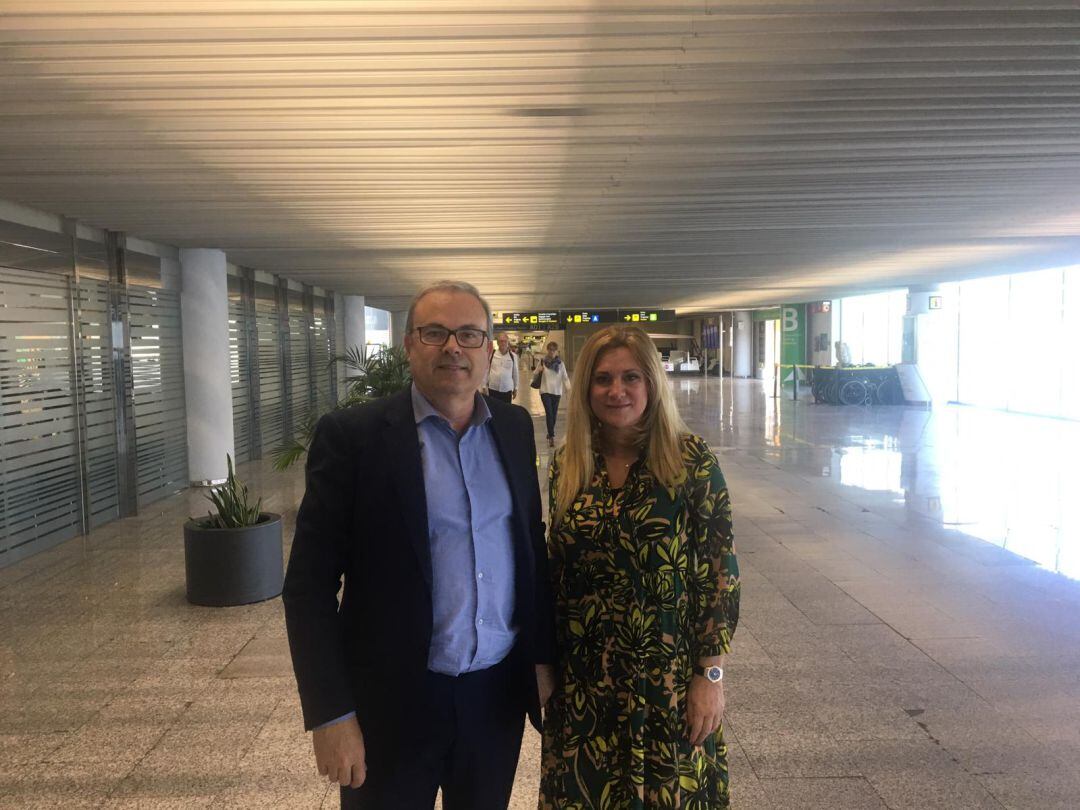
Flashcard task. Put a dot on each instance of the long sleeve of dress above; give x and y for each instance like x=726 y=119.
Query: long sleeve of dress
x=716 y=577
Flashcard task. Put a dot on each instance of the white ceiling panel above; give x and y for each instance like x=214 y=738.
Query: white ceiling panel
x=697 y=155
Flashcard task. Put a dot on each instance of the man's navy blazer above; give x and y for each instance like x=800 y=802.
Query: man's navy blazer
x=363 y=520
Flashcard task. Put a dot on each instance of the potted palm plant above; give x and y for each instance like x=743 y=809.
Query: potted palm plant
x=233 y=556
x=373 y=375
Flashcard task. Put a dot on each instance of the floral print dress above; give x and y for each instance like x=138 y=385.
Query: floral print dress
x=646 y=583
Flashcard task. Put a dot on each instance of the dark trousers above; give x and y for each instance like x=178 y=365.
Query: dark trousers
x=468 y=744
x=551 y=411
x=505 y=396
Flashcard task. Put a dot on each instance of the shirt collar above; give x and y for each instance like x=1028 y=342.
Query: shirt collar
x=423 y=409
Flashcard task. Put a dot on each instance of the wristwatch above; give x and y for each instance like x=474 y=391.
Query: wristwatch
x=714 y=674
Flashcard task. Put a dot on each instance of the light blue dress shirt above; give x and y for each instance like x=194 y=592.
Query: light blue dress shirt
x=470 y=530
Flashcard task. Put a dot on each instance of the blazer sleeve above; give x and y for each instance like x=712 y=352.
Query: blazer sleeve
x=544 y=649
x=317 y=563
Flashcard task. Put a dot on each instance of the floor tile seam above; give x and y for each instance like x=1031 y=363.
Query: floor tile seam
x=94 y=715
x=757 y=641
x=1005 y=718
x=907 y=806
x=40 y=684
x=53 y=556
x=850 y=660
x=135 y=766
x=986 y=784
x=955 y=755
x=42 y=576
x=251 y=743
x=929 y=657
x=745 y=754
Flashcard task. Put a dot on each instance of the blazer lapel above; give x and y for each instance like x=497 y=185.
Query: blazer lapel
x=402 y=450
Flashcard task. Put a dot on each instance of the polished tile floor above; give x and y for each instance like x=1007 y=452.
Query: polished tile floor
x=909 y=634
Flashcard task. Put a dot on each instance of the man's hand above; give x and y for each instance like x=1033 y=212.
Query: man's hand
x=545 y=683
x=339 y=753
x=704 y=708
x=513 y=394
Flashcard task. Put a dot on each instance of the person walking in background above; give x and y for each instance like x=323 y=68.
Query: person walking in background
x=554 y=382
x=527 y=358
x=646 y=593
x=502 y=380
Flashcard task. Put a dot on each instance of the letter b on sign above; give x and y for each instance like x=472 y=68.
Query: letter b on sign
x=791 y=319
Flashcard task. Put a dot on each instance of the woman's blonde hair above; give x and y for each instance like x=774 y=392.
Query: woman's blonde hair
x=659 y=430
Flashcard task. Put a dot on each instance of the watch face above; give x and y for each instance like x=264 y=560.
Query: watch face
x=714 y=674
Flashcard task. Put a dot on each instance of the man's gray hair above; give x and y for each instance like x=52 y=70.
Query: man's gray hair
x=449 y=287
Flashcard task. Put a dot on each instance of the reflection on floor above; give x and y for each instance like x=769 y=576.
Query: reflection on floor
x=894 y=651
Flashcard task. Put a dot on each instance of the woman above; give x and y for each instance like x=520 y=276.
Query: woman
x=554 y=382
x=647 y=593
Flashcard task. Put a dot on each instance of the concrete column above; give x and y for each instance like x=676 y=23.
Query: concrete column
x=397 y=327
x=354 y=325
x=743 y=361
x=821 y=337
x=924 y=346
x=726 y=327
x=204 y=307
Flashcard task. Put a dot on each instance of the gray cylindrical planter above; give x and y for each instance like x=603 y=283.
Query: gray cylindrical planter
x=233 y=566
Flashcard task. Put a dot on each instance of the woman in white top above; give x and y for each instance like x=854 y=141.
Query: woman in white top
x=554 y=382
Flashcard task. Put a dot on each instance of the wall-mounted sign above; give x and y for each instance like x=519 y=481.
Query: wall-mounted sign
x=579 y=316
x=937 y=302
x=646 y=315
x=793 y=331
x=516 y=320
x=821 y=307
x=559 y=319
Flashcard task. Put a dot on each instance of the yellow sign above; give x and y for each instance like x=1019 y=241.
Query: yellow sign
x=646 y=315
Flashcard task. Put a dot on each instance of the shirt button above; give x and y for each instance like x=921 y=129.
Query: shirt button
x=480 y=575
x=479 y=621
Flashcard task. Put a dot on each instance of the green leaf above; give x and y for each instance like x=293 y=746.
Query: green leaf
x=368 y=376
x=231 y=500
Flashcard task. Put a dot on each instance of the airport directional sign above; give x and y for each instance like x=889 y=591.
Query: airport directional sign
x=517 y=320
x=579 y=316
x=646 y=315
x=557 y=319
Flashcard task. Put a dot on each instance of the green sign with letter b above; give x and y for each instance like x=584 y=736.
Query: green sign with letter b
x=793 y=332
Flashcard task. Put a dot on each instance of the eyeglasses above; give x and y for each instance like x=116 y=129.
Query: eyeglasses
x=466 y=337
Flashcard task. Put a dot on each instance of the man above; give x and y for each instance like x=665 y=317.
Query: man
x=502 y=380
x=427 y=504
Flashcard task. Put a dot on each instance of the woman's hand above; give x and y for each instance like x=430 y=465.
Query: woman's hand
x=704 y=708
